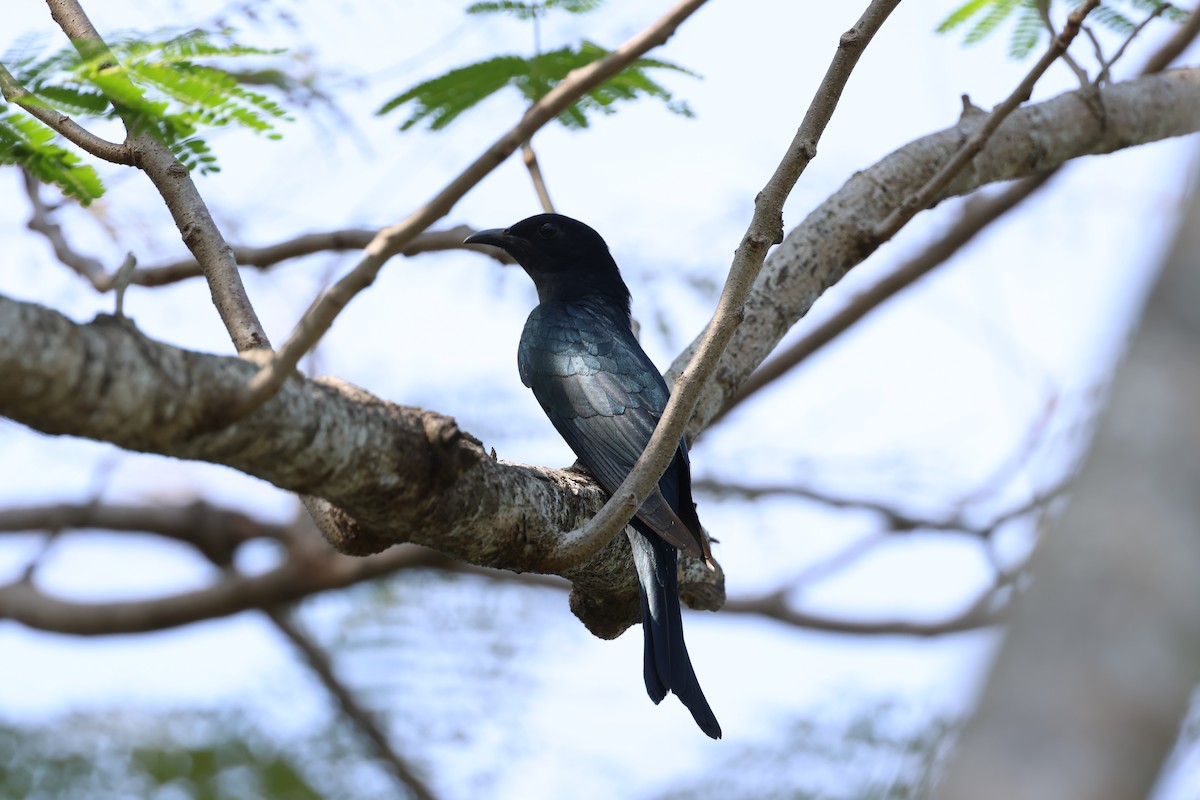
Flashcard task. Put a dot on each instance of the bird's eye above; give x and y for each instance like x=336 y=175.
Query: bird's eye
x=548 y=231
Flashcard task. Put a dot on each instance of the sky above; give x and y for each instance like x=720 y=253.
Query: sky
x=920 y=405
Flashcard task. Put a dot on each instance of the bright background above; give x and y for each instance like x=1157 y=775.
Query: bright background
x=495 y=689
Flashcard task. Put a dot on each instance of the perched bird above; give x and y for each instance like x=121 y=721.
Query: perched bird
x=604 y=395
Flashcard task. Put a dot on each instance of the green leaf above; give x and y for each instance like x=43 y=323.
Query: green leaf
x=962 y=14
x=998 y=11
x=156 y=85
x=574 y=6
x=522 y=11
x=26 y=143
x=441 y=100
x=1113 y=20
x=528 y=11
x=1029 y=29
x=1027 y=33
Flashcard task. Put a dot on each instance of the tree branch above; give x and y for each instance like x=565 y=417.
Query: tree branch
x=975 y=218
x=187 y=207
x=318 y=242
x=535 y=174
x=775 y=606
x=310 y=568
x=215 y=532
x=896 y=519
x=937 y=183
x=395 y=473
x=62 y=124
x=837 y=235
x=264 y=257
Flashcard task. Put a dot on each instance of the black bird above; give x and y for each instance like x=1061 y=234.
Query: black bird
x=604 y=395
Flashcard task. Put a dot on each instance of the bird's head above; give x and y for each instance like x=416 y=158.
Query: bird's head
x=566 y=259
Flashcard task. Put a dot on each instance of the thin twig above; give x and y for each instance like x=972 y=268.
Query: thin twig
x=535 y=174
x=391 y=240
x=1105 y=70
x=358 y=715
x=1080 y=72
x=306 y=244
x=260 y=257
x=775 y=606
x=922 y=198
x=766 y=229
x=1174 y=47
x=294 y=579
x=41 y=221
x=897 y=520
x=69 y=129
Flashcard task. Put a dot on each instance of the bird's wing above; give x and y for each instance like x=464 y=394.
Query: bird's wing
x=604 y=396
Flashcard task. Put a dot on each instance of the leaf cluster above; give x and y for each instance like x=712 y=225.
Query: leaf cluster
x=171 y=88
x=530 y=11
x=987 y=16
x=439 y=101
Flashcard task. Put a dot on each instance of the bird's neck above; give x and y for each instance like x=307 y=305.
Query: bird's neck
x=607 y=290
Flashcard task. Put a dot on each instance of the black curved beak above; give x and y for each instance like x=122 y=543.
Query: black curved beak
x=497 y=237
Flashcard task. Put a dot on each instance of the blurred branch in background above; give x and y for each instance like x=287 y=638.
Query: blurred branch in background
x=359 y=716
x=308 y=567
x=1090 y=687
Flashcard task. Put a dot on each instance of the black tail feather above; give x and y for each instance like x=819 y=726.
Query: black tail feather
x=667 y=668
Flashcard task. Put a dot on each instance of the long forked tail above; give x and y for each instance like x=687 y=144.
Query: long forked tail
x=667 y=667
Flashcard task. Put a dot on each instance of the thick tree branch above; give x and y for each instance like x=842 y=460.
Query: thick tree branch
x=400 y=473
x=766 y=229
x=393 y=239
x=837 y=235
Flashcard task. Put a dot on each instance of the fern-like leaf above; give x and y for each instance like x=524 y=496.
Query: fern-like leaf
x=1113 y=20
x=1027 y=33
x=961 y=14
x=441 y=100
x=989 y=15
x=26 y=143
x=155 y=85
x=528 y=11
x=522 y=11
x=993 y=16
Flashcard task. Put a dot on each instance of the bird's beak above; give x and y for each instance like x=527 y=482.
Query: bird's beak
x=497 y=237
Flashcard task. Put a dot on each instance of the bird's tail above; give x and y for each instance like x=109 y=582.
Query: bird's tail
x=667 y=665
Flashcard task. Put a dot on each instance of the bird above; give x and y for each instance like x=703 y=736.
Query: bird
x=604 y=395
